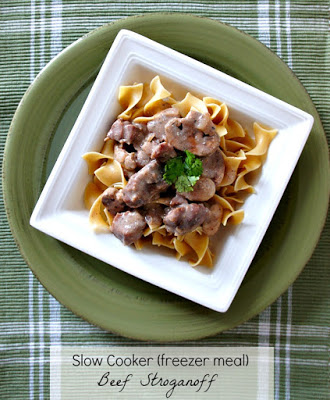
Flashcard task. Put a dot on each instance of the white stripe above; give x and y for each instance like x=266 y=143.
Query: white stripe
x=42 y=34
x=32 y=41
x=263 y=22
x=31 y=277
x=264 y=327
x=278 y=29
x=288 y=33
x=56 y=28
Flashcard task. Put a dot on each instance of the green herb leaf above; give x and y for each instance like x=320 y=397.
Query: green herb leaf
x=185 y=173
x=183 y=184
x=193 y=165
x=173 y=169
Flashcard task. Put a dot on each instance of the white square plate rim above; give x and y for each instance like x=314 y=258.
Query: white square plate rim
x=48 y=214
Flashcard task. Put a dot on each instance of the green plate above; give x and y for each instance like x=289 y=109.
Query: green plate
x=104 y=295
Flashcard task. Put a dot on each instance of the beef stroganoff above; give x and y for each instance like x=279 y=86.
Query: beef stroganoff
x=171 y=172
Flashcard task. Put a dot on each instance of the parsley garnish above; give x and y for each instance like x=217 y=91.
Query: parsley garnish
x=184 y=174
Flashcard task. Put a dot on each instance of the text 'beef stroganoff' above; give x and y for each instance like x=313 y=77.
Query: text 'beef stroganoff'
x=171 y=172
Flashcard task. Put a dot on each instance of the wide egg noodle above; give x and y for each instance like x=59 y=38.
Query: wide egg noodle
x=263 y=137
x=220 y=130
x=146 y=96
x=225 y=203
x=181 y=247
x=207 y=260
x=99 y=184
x=219 y=111
x=160 y=100
x=150 y=229
x=229 y=213
x=191 y=102
x=247 y=141
x=252 y=163
x=97 y=218
x=235 y=129
x=92 y=192
x=199 y=243
x=229 y=194
x=108 y=216
x=223 y=144
x=94 y=160
x=213 y=106
x=241 y=184
x=255 y=157
x=233 y=146
x=233 y=218
x=138 y=110
x=108 y=147
x=141 y=243
x=160 y=240
x=111 y=174
x=231 y=167
x=128 y=98
x=142 y=119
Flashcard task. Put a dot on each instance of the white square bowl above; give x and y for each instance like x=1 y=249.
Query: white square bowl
x=60 y=210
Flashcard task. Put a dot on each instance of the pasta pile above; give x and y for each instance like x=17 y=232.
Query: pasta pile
x=242 y=155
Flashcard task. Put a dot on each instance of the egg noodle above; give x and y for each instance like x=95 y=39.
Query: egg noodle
x=242 y=155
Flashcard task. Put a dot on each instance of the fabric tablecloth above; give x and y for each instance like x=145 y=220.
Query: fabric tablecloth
x=296 y=325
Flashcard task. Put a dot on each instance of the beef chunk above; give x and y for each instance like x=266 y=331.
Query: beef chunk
x=178 y=200
x=145 y=185
x=113 y=201
x=139 y=139
x=160 y=151
x=154 y=214
x=214 y=167
x=128 y=226
x=212 y=221
x=157 y=125
x=163 y=152
x=142 y=159
x=195 y=133
x=185 y=218
x=126 y=159
x=124 y=132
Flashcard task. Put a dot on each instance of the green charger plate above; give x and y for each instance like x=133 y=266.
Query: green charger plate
x=108 y=297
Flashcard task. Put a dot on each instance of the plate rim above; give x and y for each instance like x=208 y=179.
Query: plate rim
x=11 y=132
